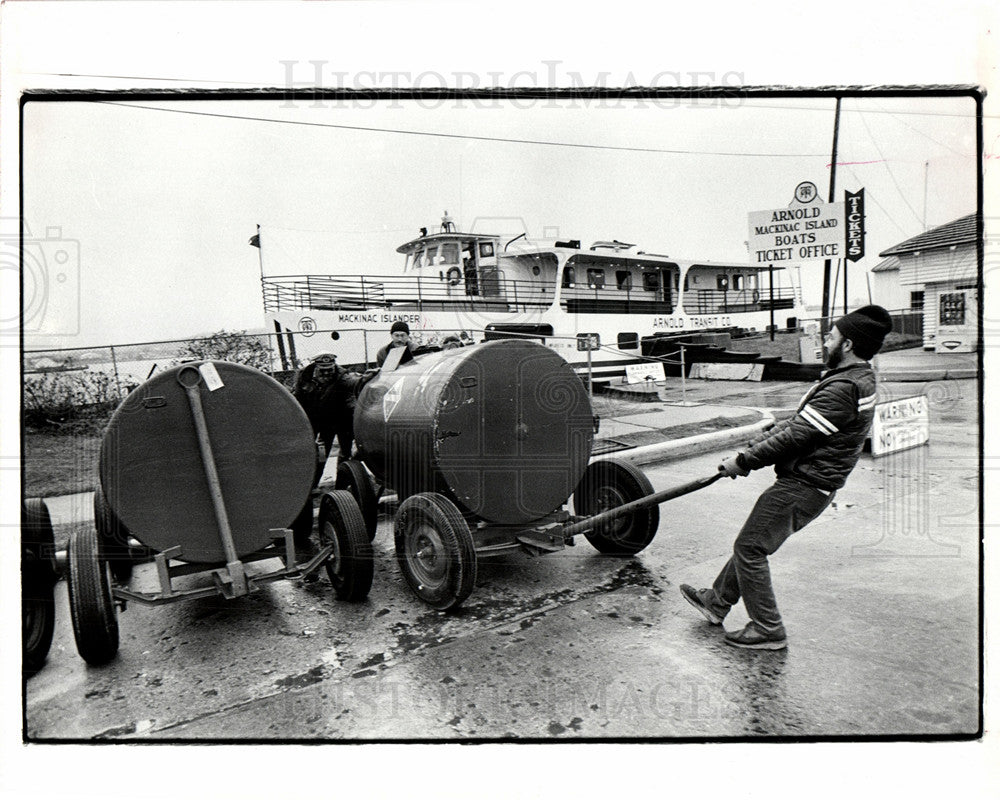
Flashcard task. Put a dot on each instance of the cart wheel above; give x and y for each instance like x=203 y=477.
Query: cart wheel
x=351 y=568
x=609 y=484
x=38 y=579
x=435 y=550
x=352 y=476
x=113 y=537
x=95 y=615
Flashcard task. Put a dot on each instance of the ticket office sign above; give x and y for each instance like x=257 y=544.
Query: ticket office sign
x=802 y=233
x=900 y=425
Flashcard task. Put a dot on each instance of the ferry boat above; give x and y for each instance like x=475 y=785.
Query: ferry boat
x=601 y=306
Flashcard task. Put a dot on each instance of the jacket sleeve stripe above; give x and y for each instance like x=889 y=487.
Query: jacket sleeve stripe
x=867 y=402
x=818 y=421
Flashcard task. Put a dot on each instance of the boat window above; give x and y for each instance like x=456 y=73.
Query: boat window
x=722 y=282
x=431 y=256
x=486 y=249
x=569 y=278
x=624 y=279
x=449 y=253
x=418 y=259
x=738 y=283
x=650 y=281
x=595 y=278
x=628 y=341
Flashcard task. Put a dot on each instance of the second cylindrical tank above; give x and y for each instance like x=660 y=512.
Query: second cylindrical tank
x=504 y=428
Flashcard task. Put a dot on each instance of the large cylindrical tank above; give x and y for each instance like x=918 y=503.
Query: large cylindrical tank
x=154 y=478
x=503 y=428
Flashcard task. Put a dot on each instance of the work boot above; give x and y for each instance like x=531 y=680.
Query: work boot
x=752 y=637
x=702 y=600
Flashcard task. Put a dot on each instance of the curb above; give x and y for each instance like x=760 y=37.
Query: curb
x=691 y=445
x=926 y=376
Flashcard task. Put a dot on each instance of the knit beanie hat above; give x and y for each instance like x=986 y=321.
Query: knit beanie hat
x=399 y=325
x=866 y=328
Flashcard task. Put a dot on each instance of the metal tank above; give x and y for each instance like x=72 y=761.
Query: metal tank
x=153 y=469
x=502 y=428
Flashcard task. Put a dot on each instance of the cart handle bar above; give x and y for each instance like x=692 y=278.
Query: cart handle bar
x=643 y=502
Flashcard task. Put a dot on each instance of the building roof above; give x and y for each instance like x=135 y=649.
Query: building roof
x=891 y=264
x=961 y=231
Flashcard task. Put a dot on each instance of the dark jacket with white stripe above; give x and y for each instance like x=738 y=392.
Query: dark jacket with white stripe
x=821 y=444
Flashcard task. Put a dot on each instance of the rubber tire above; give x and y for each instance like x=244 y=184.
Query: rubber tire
x=352 y=476
x=608 y=484
x=94 y=613
x=458 y=565
x=38 y=580
x=113 y=537
x=352 y=568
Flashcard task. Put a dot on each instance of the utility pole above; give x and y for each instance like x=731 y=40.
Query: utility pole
x=824 y=322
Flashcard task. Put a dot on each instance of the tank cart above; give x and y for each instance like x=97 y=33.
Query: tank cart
x=206 y=470
x=39 y=574
x=484 y=446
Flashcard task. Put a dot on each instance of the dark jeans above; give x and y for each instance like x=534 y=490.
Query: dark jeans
x=345 y=441
x=786 y=507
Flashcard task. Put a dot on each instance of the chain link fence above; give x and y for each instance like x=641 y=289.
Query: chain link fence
x=60 y=384
x=72 y=383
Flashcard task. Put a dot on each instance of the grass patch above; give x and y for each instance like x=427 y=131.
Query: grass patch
x=64 y=461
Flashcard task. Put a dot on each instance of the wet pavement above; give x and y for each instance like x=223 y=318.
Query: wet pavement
x=880 y=599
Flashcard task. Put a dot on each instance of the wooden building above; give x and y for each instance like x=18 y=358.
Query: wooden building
x=940 y=269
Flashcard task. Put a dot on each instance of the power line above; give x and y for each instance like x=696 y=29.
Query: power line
x=892 y=177
x=927 y=136
x=372 y=129
x=870 y=196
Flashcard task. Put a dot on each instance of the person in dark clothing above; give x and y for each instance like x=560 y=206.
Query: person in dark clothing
x=327 y=393
x=400 y=333
x=813 y=452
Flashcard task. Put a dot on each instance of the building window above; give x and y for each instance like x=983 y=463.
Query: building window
x=952 y=309
x=916 y=300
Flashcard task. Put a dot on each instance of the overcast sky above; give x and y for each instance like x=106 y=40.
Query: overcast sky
x=161 y=197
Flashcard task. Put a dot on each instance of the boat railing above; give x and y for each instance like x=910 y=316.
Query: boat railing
x=336 y=292
x=627 y=300
x=715 y=301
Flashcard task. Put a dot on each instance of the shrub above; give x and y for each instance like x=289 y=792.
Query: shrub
x=239 y=347
x=54 y=398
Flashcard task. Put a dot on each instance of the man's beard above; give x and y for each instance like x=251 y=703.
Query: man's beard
x=835 y=356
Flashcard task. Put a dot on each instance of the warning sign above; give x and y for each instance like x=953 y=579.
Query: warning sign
x=900 y=424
